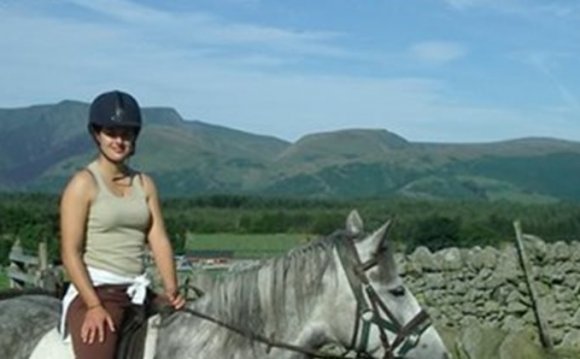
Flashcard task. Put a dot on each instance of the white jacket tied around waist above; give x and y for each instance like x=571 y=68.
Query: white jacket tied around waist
x=137 y=290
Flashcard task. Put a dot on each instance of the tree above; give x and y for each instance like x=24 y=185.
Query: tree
x=436 y=232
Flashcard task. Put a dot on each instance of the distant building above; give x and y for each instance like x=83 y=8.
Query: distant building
x=209 y=257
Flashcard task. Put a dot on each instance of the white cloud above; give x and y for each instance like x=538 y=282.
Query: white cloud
x=123 y=10
x=198 y=28
x=437 y=52
x=131 y=43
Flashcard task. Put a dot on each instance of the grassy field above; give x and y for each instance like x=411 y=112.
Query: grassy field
x=246 y=245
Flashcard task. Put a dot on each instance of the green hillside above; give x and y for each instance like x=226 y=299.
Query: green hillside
x=43 y=145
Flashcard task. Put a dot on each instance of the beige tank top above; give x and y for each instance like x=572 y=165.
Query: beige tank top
x=117 y=228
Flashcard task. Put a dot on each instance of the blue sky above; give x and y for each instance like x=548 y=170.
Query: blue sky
x=428 y=70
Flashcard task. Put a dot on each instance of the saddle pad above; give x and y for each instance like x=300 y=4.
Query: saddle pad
x=51 y=346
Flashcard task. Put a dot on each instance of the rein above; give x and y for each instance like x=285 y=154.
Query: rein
x=270 y=343
x=367 y=311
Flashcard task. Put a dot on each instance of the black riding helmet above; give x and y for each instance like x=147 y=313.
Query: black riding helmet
x=115 y=109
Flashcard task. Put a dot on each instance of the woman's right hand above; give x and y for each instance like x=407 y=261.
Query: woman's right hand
x=96 y=320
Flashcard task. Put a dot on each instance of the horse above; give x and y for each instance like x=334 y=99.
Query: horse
x=342 y=289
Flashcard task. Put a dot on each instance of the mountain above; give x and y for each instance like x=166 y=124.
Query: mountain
x=43 y=145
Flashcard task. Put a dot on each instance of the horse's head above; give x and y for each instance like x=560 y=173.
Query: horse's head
x=385 y=321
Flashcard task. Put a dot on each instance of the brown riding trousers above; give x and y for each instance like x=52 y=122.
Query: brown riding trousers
x=116 y=301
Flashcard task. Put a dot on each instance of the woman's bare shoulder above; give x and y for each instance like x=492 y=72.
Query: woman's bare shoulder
x=147 y=183
x=81 y=185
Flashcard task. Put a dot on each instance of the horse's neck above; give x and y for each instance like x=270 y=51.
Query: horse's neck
x=273 y=303
x=269 y=301
x=282 y=300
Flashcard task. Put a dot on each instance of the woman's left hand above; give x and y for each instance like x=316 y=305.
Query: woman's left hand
x=175 y=299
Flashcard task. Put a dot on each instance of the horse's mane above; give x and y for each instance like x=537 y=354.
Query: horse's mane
x=257 y=298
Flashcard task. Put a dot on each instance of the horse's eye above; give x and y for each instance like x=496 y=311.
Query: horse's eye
x=398 y=291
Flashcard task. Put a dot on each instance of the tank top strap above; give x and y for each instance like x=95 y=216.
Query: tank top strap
x=94 y=170
x=137 y=183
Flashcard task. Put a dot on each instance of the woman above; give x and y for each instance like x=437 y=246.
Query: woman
x=109 y=212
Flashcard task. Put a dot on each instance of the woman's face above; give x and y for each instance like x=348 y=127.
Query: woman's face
x=117 y=142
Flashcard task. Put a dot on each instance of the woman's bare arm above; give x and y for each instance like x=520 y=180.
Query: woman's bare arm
x=160 y=244
x=74 y=207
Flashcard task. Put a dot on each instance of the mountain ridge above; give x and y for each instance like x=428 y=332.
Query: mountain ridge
x=45 y=144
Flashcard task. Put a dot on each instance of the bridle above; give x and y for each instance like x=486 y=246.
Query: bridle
x=369 y=307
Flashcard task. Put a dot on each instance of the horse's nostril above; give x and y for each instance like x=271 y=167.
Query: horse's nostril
x=446 y=356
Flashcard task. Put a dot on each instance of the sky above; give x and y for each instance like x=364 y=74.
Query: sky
x=427 y=70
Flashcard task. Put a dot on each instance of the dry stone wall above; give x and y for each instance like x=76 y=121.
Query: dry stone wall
x=487 y=286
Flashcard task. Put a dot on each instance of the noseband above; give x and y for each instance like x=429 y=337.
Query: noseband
x=369 y=307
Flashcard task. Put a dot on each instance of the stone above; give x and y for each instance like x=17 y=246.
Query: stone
x=571 y=280
x=518 y=345
x=492 y=306
x=434 y=280
x=563 y=294
x=460 y=289
x=577 y=289
x=547 y=306
x=576 y=319
x=508 y=266
x=468 y=320
x=558 y=251
x=469 y=309
x=567 y=307
x=501 y=293
x=512 y=324
x=476 y=341
x=472 y=295
x=515 y=297
x=516 y=308
x=481 y=281
x=489 y=257
x=472 y=259
x=451 y=259
x=557 y=335
x=423 y=257
x=571 y=340
x=542 y=289
x=529 y=318
x=448 y=333
x=558 y=320
x=412 y=268
x=535 y=248
x=557 y=277
x=523 y=287
x=575 y=251
x=566 y=267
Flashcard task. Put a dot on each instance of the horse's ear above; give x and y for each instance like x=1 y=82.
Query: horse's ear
x=379 y=238
x=354 y=224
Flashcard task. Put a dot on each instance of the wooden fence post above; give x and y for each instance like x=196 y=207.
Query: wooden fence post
x=19 y=270
x=33 y=271
x=542 y=328
x=42 y=256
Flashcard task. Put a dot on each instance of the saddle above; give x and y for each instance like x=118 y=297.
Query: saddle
x=134 y=328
